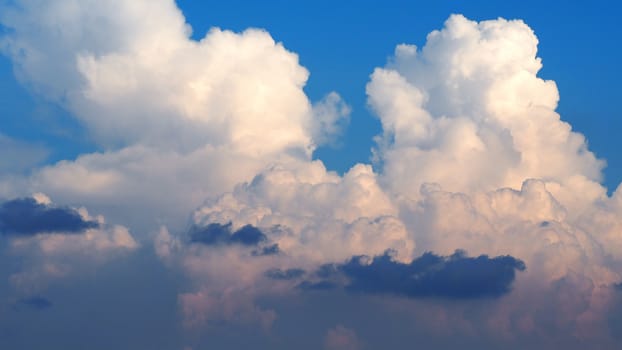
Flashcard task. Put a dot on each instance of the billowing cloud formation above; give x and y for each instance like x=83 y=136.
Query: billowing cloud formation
x=313 y=213
x=470 y=103
x=194 y=117
x=113 y=59
x=26 y=216
x=472 y=156
x=456 y=276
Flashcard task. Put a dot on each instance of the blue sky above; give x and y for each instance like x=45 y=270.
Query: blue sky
x=160 y=189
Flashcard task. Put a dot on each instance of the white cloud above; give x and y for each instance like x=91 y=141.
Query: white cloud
x=477 y=158
x=320 y=216
x=173 y=114
x=473 y=156
x=469 y=112
x=143 y=187
x=133 y=75
x=314 y=216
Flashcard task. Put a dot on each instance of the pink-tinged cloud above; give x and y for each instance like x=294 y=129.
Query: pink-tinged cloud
x=207 y=153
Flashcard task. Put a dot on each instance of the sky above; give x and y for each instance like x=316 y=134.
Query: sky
x=314 y=175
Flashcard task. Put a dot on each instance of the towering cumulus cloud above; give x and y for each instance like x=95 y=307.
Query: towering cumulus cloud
x=470 y=103
x=192 y=117
x=482 y=221
x=476 y=158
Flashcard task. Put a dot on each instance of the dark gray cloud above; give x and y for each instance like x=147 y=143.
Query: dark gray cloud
x=219 y=234
x=456 y=277
x=289 y=274
x=27 y=217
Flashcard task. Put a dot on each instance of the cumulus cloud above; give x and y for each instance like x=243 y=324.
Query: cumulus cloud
x=470 y=102
x=215 y=110
x=472 y=156
x=313 y=213
x=476 y=157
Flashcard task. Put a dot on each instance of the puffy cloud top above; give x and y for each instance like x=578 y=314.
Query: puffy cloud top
x=470 y=103
x=161 y=105
x=131 y=72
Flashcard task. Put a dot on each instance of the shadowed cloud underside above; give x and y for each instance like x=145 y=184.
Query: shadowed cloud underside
x=26 y=217
x=455 y=277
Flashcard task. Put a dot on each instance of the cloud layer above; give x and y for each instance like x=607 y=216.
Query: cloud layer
x=206 y=156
